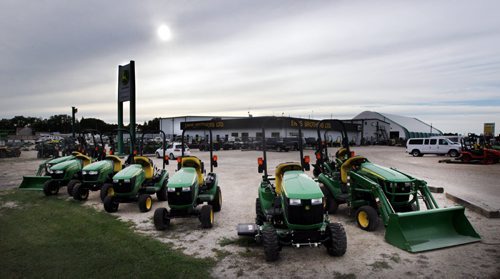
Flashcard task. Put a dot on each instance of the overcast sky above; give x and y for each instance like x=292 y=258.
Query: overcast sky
x=438 y=61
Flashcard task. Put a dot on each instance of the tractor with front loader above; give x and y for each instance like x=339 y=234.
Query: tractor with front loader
x=372 y=191
x=138 y=181
x=188 y=188
x=290 y=209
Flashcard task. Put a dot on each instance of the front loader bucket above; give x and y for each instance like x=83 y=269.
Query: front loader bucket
x=33 y=182
x=419 y=231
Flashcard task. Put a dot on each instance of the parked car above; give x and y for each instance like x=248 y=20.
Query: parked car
x=435 y=145
x=173 y=150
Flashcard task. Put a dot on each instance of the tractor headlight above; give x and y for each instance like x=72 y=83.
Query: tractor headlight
x=59 y=171
x=408 y=184
x=84 y=172
x=186 y=189
x=49 y=171
x=115 y=180
x=93 y=172
x=393 y=185
x=170 y=189
x=295 y=202
x=316 y=201
x=126 y=180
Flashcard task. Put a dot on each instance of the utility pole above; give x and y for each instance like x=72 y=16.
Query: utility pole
x=74 y=110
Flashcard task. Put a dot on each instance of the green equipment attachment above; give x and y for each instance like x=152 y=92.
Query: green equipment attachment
x=35 y=182
x=425 y=230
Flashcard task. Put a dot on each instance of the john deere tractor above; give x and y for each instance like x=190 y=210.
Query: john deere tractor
x=373 y=191
x=291 y=210
x=188 y=188
x=98 y=176
x=138 y=181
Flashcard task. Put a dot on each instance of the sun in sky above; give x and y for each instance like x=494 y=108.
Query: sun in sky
x=164 y=33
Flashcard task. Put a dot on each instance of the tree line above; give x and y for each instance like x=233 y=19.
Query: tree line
x=62 y=123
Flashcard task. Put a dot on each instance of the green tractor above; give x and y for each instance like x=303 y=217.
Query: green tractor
x=98 y=176
x=68 y=173
x=373 y=191
x=292 y=211
x=188 y=188
x=138 y=181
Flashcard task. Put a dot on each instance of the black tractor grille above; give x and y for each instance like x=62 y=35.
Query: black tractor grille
x=123 y=187
x=179 y=197
x=57 y=175
x=88 y=177
x=304 y=214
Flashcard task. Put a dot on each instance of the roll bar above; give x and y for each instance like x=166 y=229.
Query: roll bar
x=163 y=143
x=213 y=162
x=343 y=132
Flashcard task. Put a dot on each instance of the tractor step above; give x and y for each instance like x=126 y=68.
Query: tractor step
x=248 y=229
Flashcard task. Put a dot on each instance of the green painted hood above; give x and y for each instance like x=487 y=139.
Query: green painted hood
x=60 y=160
x=298 y=185
x=375 y=171
x=99 y=166
x=184 y=177
x=66 y=164
x=129 y=172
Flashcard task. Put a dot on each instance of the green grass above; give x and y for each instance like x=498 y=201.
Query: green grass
x=50 y=237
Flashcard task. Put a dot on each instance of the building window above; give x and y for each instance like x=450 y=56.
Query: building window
x=244 y=136
x=258 y=135
x=275 y=135
x=235 y=135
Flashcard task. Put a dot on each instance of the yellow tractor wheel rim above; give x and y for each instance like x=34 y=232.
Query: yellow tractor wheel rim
x=220 y=199
x=211 y=216
x=149 y=202
x=111 y=191
x=363 y=219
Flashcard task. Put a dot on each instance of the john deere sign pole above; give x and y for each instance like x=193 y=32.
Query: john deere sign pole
x=126 y=92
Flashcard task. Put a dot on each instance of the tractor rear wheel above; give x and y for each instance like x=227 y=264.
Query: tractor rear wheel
x=207 y=216
x=107 y=190
x=161 y=219
x=71 y=186
x=260 y=218
x=110 y=204
x=271 y=244
x=367 y=218
x=50 y=188
x=80 y=193
x=217 y=202
x=162 y=193
x=145 y=203
x=337 y=243
x=331 y=204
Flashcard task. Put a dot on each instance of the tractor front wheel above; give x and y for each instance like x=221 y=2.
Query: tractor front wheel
x=217 y=202
x=106 y=190
x=145 y=203
x=71 y=186
x=161 y=219
x=271 y=244
x=80 y=193
x=111 y=204
x=207 y=216
x=260 y=218
x=162 y=194
x=367 y=218
x=50 y=188
x=337 y=243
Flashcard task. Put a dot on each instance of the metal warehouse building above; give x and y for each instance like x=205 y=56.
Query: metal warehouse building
x=377 y=126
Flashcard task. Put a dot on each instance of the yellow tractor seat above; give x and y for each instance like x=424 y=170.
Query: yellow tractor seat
x=346 y=166
x=76 y=153
x=85 y=159
x=147 y=166
x=194 y=162
x=341 y=153
x=280 y=171
x=117 y=162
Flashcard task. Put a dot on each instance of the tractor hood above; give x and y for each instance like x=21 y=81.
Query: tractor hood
x=298 y=185
x=379 y=172
x=99 y=166
x=184 y=177
x=129 y=172
x=60 y=160
x=66 y=164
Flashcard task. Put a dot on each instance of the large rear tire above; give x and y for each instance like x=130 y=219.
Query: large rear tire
x=207 y=216
x=80 y=193
x=217 y=202
x=71 y=186
x=111 y=204
x=106 y=190
x=271 y=244
x=162 y=194
x=161 y=219
x=145 y=202
x=337 y=244
x=50 y=188
x=259 y=215
x=367 y=218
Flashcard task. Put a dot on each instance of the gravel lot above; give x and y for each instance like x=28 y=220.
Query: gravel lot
x=367 y=252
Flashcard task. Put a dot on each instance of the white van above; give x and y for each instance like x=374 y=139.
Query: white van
x=435 y=145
